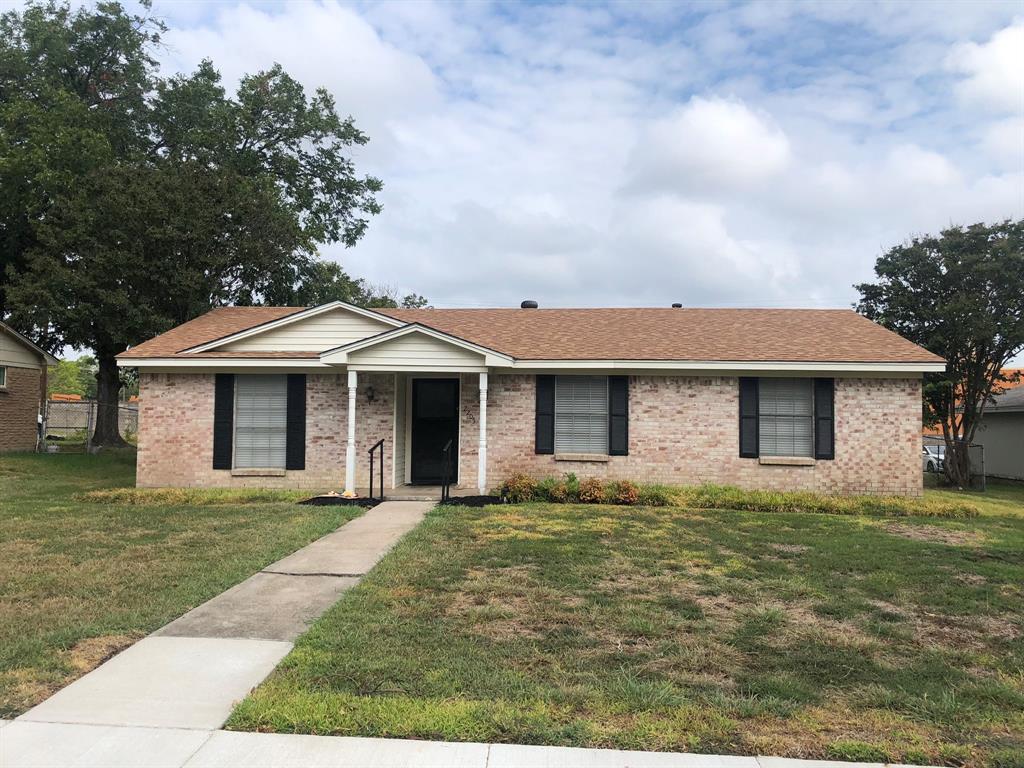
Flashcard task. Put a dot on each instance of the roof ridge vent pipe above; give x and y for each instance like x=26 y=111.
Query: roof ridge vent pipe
x=529 y=304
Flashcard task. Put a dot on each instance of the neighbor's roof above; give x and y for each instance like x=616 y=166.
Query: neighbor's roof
x=1010 y=400
x=796 y=335
x=48 y=359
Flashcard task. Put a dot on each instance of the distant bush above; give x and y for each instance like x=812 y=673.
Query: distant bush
x=729 y=497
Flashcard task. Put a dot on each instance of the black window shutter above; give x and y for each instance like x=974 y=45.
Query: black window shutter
x=295 y=430
x=824 y=419
x=749 y=432
x=223 y=419
x=618 y=415
x=545 y=415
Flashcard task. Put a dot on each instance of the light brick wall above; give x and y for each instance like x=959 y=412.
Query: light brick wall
x=176 y=432
x=19 y=409
x=682 y=430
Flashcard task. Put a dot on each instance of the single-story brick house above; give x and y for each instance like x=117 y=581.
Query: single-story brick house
x=292 y=397
x=22 y=389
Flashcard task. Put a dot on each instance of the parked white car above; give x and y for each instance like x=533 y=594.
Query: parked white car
x=932 y=457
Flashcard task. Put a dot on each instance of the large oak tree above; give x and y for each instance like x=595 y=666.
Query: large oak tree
x=131 y=202
x=961 y=296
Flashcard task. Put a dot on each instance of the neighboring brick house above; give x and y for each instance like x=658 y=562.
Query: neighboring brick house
x=22 y=389
x=820 y=400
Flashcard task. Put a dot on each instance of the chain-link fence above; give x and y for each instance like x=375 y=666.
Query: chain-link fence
x=69 y=425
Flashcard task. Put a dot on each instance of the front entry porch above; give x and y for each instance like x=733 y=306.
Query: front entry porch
x=416 y=414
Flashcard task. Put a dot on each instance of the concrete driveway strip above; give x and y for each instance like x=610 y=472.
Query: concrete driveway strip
x=48 y=745
x=173 y=682
x=227 y=749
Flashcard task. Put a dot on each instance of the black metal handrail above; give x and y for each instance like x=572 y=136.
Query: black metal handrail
x=446 y=471
x=379 y=444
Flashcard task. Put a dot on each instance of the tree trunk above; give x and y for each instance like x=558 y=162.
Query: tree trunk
x=958 y=463
x=108 y=384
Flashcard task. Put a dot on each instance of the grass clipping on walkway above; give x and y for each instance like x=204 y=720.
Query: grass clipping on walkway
x=681 y=629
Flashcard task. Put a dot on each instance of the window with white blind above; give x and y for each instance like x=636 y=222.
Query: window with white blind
x=786 y=417
x=581 y=414
x=261 y=419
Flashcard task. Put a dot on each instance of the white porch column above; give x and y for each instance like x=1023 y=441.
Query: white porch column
x=350 y=450
x=481 y=470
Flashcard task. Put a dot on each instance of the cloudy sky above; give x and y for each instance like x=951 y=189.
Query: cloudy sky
x=639 y=154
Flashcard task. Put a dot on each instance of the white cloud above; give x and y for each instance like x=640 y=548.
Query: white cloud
x=710 y=143
x=320 y=44
x=994 y=70
x=622 y=155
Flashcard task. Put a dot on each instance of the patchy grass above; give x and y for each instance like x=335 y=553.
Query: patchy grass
x=88 y=566
x=1002 y=498
x=786 y=633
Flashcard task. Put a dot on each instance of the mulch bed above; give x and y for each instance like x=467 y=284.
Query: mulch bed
x=473 y=501
x=340 y=501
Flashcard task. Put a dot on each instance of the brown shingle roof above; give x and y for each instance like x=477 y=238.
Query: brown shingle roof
x=797 y=335
x=742 y=335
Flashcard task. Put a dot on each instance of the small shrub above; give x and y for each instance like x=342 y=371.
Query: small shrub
x=518 y=488
x=558 y=493
x=624 y=492
x=591 y=491
x=654 y=496
x=572 y=487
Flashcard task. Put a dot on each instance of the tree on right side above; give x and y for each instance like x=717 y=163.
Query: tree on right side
x=961 y=296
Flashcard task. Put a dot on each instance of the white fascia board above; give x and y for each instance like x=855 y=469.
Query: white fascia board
x=371 y=368
x=340 y=354
x=289 y=319
x=728 y=365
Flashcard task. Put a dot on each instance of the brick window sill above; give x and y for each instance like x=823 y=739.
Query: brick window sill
x=591 y=457
x=257 y=472
x=788 y=461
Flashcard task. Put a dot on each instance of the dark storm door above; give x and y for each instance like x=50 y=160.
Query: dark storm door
x=435 y=421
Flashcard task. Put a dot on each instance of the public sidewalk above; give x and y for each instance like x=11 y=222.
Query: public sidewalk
x=48 y=745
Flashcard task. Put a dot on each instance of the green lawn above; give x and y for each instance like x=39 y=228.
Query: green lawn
x=81 y=578
x=805 y=635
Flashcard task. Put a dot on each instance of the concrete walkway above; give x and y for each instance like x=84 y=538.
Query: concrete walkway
x=190 y=674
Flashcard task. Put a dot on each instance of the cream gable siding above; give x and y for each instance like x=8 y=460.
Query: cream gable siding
x=15 y=354
x=315 y=334
x=415 y=352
